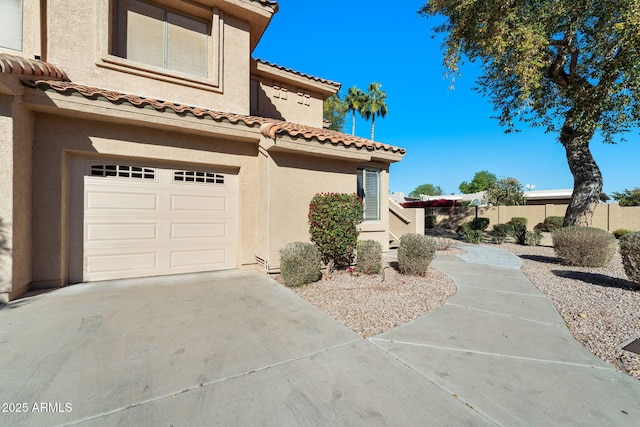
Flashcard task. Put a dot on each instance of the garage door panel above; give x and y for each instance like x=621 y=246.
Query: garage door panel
x=122 y=232
x=199 y=231
x=205 y=259
x=98 y=200
x=199 y=203
x=109 y=266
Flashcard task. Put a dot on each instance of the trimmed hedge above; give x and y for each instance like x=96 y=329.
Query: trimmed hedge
x=300 y=263
x=630 y=251
x=584 y=246
x=369 y=257
x=415 y=254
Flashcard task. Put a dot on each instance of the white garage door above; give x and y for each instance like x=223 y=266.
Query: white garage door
x=138 y=221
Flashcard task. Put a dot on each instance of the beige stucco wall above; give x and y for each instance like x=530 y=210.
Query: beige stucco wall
x=405 y=221
x=16 y=125
x=287 y=102
x=57 y=137
x=293 y=180
x=78 y=41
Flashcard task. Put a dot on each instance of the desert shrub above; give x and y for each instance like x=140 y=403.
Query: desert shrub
x=532 y=238
x=501 y=232
x=443 y=243
x=430 y=221
x=333 y=225
x=552 y=223
x=482 y=224
x=369 y=257
x=470 y=234
x=584 y=246
x=519 y=220
x=300 y=263
x=630 y=251
x=620 y=232
x=415 y=253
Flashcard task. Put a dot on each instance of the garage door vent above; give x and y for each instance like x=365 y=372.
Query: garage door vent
x=122 y=171
x=195 y=176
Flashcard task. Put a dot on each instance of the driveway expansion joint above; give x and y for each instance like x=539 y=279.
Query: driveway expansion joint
x=210 y=383
x=495 y=313
x=486 y=353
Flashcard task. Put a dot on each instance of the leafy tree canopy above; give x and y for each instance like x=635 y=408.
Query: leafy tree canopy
x=505 y=192
x=334 y=110
x=480 y=182
x=628 y=197
x=426 y=189
x=570 y=66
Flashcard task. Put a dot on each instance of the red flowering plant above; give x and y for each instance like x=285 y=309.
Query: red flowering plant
x=438 y=203
x=333 y=225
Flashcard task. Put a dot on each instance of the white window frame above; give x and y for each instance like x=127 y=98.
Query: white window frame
x=368 y=187
x=16 y=40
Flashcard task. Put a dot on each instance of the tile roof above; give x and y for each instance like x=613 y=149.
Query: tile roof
x=267 y=3
x=13 y=64
x=268 y=127
x=289 y=70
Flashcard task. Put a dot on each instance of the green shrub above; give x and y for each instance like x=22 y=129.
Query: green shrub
x=532 y=238
x=620 y=232
x=519 y=220
x=482 y=224
x=300 y=263
x=369 y=257
x=519 y=232
x=430 y=221
x=333 y=225
x=415 y=253
x=630 y=251
x=552 y=223
x=470 y=234
x=501 y=232
x=584 y=246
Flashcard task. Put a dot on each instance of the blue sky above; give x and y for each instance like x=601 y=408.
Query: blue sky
x=449 y=134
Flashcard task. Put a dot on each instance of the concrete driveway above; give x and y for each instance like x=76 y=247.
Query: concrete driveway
x=226 y=348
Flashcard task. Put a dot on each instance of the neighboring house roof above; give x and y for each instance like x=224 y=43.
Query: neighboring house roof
x=298 y=73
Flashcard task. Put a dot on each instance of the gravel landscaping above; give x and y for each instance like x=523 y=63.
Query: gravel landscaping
x=599 y=305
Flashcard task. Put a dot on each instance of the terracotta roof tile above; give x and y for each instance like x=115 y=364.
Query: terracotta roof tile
x=13 y=64
x=267 y=3
x=289 y=70
x=268 y=127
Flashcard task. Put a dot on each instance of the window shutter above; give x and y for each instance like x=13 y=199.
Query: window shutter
x=187 y=45
x=11 y=24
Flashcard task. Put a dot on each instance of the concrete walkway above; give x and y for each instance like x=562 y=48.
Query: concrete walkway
x=236 y=348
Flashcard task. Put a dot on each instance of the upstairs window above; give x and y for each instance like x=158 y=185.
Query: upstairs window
x=162 y=38
x=11 y=24
x=369 y=192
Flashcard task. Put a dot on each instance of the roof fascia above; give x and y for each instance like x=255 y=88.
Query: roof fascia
x=261 y=69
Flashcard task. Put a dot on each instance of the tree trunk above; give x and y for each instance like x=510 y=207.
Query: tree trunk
x=587 y=178
x=373 y=125
x=353 y=122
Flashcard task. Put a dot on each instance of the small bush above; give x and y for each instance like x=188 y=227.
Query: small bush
x=532 y=238
x=552 y=223
x=584 y=246
x=333 y=225
x=630 y=251
x=519 y=220
x=369 y=257
x=501 y=232
x=482 y=224
x=430 y=221
x=300 y=263
x=415 y=253
x=519 y=232
x=470 y=234
x=620 y=232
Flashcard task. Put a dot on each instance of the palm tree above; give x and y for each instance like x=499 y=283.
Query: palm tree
x=375 y=105
x=355 y=101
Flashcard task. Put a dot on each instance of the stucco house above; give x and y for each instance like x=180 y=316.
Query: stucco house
x=140 y=138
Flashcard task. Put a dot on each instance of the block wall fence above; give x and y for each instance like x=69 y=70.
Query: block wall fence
x=609 y=217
